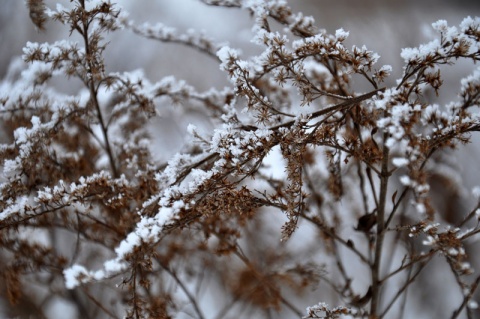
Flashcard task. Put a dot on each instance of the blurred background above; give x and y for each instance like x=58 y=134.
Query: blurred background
x=384 y=26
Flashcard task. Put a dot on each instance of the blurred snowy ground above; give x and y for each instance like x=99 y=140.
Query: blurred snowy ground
x=384 y=26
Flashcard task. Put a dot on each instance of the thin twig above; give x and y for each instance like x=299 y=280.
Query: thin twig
x=467 y=298
x=380 y=235
x=187 y=293
x=403 y=289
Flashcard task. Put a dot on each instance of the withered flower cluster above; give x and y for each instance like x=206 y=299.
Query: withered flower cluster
x=305 y=192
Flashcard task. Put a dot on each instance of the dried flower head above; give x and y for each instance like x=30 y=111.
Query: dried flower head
x=37 y=14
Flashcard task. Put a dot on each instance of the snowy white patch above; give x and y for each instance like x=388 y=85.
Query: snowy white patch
x=274 y=164
x=341 y=34
x=74 y=275
x=430 y=241
x=472 y=304
x=386 y=69
x=471 y=81
x=405 y=180
x=476 y=192
x=225 y=54
x=400 y=161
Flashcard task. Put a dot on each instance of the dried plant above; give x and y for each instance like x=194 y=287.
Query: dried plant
x=91 y=217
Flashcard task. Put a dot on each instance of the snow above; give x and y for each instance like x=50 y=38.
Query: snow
x=127 y=245
x=383 y=122
x=301 y=21
x=312 y=67
x=149 y=229
x=422 y=52
x=17 y=207
x=386 y=69
x=74 y=275
x=36 y=68
x=50 y=51
x=226 y=54
x=476 y=192
x=405 y=180
x=450 y=35
x=274 y=165
x=110 y=266
x=430 y=241
x=469 y=22
x=257 y=5
x=60 y=307
x=472 y=304
x=471 y=82
x=400 y=161
x=341 y=34
x=159 y=29
x=440 y=25
x=175 y=165
x=387 y=96
x=421 y=209
x=164 y=215
x=192 y=129
x=226 y=140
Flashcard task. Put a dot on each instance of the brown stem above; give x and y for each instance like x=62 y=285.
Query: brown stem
x=334 y=108
x=403 y=289
x=93 y=96
x=262 y=281
x=467 y=298
x=375 y=268
x=182 y=286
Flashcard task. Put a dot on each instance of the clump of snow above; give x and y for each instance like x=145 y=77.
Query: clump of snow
x=17 y=207
x=405 y=180
x=471 y=82
x=75 y=275
x=400 y=161
x=387 y=69
x=226 y=54
x=451 y=36
x=341 y=34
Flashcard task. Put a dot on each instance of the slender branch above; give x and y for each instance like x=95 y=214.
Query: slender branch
x=308 y=82
x=402 y=290
x=97 y=303
x=247 y=262
x=334 y=108
x=375 y=268
x=89 y=56
x=332 y=233
x=372 y=185
x=467 y=298
x=361 y=181
x=190 y=297
x=223 y=312
x=180 y=39
x=402 y=267
x=395 y=206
